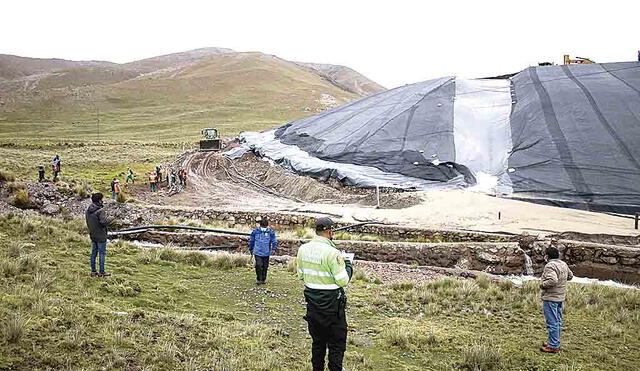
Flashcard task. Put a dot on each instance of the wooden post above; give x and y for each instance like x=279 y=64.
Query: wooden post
x=378 y=197
x=499 y=215
x=636 y=220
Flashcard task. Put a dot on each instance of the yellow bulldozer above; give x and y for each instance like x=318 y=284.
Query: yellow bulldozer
x=578 y=60
x=211 y=141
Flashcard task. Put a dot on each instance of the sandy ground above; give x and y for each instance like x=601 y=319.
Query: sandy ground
x=214 y=182
x=460 y=209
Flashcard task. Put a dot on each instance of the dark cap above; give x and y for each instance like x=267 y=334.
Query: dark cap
x=323 y=224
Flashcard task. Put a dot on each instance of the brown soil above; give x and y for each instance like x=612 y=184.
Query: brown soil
x=251 y=183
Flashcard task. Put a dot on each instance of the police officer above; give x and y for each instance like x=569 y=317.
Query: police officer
x=325 y=273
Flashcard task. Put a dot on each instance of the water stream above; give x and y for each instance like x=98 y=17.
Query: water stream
x=528 y=264
x=518 y=280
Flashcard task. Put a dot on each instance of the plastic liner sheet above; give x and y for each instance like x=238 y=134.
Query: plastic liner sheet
x=576 y=136
x=407 y=130
x=293 y=158
x=481 y=130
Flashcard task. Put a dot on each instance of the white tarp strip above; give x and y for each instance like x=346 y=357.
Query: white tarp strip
x=481 y=129
x=295 y=159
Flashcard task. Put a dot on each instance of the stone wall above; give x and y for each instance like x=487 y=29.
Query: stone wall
x=496 y=258
x=586 y=259
x=288 y=220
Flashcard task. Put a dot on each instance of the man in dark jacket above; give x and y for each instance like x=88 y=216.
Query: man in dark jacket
x=97 y=224
x=261 y=243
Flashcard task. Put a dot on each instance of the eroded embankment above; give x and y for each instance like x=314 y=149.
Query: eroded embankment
x=588 y=259
x=621 y=263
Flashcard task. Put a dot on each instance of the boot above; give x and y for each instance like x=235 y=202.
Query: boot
x=548 y=349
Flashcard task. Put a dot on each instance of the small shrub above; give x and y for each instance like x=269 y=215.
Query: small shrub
x=226 y=261
x=291 y=266
x=82 y=190
x=21 y=199
x=9 y=267
x=121 y=197
x=122 y=287
x=483 y=281
x=6 y=176
x=14 y=327
x=408 y=335
x=13 y=187
x=480 y=356
x=194 y=258
x=168 y=254
x=42 y=281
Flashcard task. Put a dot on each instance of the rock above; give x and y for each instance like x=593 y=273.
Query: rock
x=609 y=259
x=629 y=261
x=488 y=258
x=50 y=209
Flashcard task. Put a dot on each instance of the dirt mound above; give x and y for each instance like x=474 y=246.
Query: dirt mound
x=217 y=180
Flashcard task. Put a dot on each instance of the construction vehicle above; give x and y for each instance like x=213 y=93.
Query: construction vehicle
x=578 y=60
x=211 y=141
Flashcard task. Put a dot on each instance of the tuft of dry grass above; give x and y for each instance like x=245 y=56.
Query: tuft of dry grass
x=481 y=356
x=14 y=328
x=21 y=199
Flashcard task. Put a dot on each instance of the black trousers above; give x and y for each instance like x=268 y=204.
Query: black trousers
x=262 y=265
x=328 y=331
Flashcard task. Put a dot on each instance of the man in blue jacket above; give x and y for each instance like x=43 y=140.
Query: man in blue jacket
x=261 y=243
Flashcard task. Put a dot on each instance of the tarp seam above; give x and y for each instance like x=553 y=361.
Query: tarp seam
x=620 y=79
x=603 y=120
x=415 y=104
x=558 y=138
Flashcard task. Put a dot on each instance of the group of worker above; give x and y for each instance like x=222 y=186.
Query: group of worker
x=326 y=272
x=168 y=175
x=56 y=164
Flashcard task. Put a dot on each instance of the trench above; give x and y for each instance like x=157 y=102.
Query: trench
x=490 y=253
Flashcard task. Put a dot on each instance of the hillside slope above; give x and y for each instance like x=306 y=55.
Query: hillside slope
x=170 y=97
x=345 y=78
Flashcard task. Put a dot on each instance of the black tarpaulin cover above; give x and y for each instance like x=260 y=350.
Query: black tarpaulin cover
x=564 y=135
x=576 y=135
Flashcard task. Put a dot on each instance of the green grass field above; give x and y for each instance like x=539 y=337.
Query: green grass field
x=167 y=310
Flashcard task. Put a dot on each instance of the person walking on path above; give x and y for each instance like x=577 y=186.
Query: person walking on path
x=113 y=188
x=40 y=173
x=116 y=188
x=153 y=178
x=325 y=274
x=261 y=244
x=55 y=167
x=130 y=176
x=97 y=225
x=553 y=287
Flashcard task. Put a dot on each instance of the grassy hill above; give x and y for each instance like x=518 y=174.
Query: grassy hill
x=167 y=310
x=164 y=98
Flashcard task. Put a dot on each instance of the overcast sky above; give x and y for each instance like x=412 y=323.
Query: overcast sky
x=392 y=42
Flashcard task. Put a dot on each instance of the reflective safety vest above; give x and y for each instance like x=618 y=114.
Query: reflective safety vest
x=321 y=266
